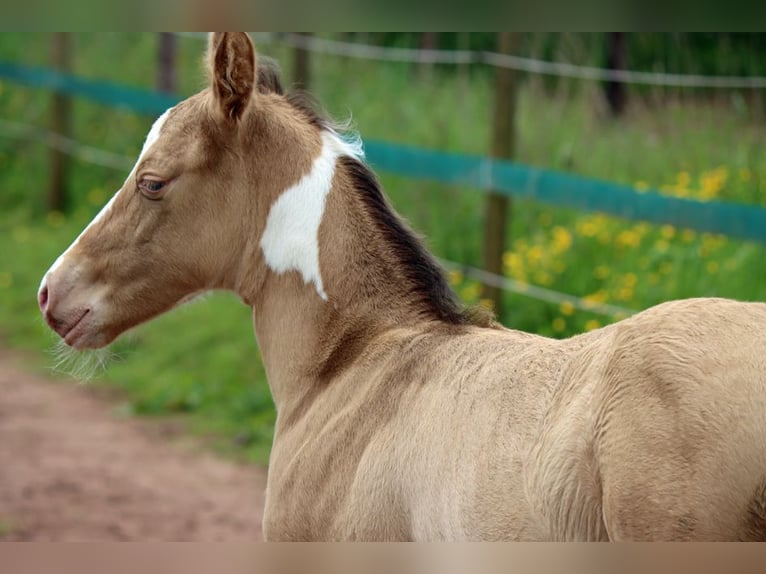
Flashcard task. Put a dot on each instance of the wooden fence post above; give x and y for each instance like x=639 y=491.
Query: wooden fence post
x=616 y=95
x=60 y=123
x=301 y=67
x=464 y=70
x=498 y=207
x=428 y=41
x=167 y=76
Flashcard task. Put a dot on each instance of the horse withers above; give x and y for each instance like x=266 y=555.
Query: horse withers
x=402 y=415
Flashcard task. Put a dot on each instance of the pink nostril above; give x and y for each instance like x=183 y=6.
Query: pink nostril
x=42 y=298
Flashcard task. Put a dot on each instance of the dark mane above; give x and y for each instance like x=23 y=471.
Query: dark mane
x=309 y=108
x=269 y=76
x=270 y=82
x=427 y=278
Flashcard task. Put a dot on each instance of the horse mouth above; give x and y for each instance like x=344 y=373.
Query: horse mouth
x=75 y=330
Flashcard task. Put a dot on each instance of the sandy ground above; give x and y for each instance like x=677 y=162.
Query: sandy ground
x=72 y=469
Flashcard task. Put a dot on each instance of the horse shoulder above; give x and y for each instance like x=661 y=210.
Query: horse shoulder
x=675 y=400
x=562 y=477
x=642 y=406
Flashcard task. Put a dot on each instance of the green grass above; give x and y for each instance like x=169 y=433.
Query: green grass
x=202 y=362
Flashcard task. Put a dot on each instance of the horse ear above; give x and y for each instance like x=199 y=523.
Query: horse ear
x=232 y=64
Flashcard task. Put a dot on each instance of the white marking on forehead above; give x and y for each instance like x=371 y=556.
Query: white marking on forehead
x=151 y=138
x=290 y=241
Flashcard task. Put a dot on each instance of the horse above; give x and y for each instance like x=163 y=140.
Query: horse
x=402 y=414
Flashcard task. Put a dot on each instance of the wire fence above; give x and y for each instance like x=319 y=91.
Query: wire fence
x=537 y=292
x=748 y=222
x=522 y=64
x=103 y=158
x=83 y=152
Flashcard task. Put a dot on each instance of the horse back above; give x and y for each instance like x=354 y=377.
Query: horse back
x=658 y=430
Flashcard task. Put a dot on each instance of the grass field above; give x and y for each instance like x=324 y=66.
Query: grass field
x=202 y=360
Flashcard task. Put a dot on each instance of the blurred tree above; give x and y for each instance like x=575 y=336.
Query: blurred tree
x=497 y=208
x=428 y=41
x=301 y=67
x=61 y=124
x=615 y=92
x=167 y=76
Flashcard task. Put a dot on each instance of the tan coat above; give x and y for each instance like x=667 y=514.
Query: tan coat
x=653 y=428
x=401 y=415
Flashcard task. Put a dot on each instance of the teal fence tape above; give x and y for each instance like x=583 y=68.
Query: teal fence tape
x=515 y=180
x=135 y=99
x=565 y=190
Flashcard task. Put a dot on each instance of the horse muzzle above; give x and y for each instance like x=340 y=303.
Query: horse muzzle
x=68 y=308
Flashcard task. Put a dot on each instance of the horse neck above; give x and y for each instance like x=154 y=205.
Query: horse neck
x=308 y=330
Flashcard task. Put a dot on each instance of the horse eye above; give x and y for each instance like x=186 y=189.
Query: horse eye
x=151 y=187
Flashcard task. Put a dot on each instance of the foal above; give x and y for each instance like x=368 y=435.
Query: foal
x=400 y=415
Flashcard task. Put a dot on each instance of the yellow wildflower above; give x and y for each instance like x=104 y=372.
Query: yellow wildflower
x=543 y=278
x=599 y=296
x=601 y=272
x=625 y=293
x=587 y=228
x=628 y=238
x=559 y=324
x=713 y=182
x=567 y=308
x=668 y=231
x=629 y=279
x=514 y=264
x=488 y=304
x=455 y=277
x=712 y=267
x=470 y=292
x=535 y=254
x=592 y=324
x=562 y=239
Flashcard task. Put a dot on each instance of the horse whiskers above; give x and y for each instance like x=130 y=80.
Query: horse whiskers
x=81 y=365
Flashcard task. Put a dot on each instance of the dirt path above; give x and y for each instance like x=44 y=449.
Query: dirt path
x=70 y=469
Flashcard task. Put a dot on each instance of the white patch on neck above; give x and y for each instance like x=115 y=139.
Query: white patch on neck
x=290 y=241
x=151 y=138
